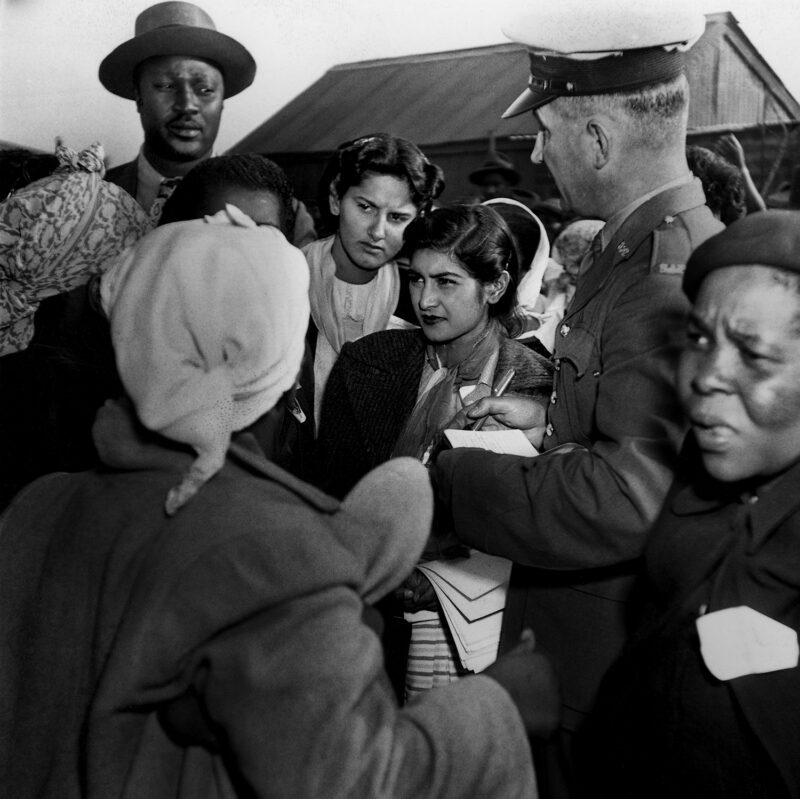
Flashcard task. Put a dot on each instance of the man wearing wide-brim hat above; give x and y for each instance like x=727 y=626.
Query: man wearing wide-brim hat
x=610 y=99
x=497 y=177
x=179 y=69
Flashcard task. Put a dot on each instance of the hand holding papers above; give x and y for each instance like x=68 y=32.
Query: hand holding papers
x=472 y=595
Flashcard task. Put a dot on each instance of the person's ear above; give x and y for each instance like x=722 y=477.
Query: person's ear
x=497 y=288
x=599 y=141
x=333 y=199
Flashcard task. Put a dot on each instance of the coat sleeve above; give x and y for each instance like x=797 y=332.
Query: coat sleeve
x=578 y=507
x=298 y=696
x=340 y=445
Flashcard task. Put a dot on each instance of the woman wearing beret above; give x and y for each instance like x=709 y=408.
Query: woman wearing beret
x=705 y=701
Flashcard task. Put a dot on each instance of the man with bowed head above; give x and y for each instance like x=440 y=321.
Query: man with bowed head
x=610 y=98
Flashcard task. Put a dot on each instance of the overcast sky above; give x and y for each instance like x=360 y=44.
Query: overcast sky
x=50 y=51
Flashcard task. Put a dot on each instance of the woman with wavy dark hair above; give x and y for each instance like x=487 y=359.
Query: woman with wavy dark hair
x=393 y=393
x=381 y=184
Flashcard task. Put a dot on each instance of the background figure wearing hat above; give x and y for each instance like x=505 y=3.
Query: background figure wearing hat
x=574 y=519
x=498 y=178
x=179 y=69
x=224 y=648
x=705 y=701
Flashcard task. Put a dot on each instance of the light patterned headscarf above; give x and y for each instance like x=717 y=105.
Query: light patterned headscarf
x=208 y=321
x=58 y=232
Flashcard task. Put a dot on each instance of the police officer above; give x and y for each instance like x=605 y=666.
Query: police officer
x=610 y=98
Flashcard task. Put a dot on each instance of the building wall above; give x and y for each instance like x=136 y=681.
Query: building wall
x=771 y=154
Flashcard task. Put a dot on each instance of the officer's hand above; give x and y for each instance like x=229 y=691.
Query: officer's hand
x=522 y=413
x=529 y=678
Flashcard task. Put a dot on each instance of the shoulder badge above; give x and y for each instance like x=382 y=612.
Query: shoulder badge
x=671 y=248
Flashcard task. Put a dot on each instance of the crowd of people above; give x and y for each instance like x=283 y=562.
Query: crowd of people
x=227 y=467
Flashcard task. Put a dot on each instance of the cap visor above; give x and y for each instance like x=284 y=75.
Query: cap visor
x=527 y=101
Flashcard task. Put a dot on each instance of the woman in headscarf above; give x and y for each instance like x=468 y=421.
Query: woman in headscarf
x=55 y=235
x=192 y=621
x=393 y=393
x=533 y=257
x=381 y=183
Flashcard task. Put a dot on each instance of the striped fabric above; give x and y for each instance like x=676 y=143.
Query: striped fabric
x=432 y=660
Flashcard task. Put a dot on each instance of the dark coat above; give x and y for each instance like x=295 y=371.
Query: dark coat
x=575 y=518
x=126 y=176
x=674 y=729
x=372 y=390
x=221 y=652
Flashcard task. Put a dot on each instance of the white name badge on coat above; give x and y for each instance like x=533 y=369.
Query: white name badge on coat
x=739 y=641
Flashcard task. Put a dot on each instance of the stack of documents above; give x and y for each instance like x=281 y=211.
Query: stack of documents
x=506 y=442
x=472 y=594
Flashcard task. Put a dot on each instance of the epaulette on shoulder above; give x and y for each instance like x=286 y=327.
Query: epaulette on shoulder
x=671 y=247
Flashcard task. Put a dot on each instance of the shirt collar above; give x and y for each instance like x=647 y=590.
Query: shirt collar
x=615 y=222
x=149 y=179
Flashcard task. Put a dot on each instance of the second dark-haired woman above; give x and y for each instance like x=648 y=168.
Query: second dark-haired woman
x=382 y=183
x=392 y=393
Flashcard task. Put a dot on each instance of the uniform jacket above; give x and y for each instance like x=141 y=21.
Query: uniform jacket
x=221 y=652
x=578 y=514
x=373 y=389
x=715 y=546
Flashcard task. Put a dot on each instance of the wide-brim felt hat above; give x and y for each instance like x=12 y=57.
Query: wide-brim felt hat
x=497 y=162
x=177 y=29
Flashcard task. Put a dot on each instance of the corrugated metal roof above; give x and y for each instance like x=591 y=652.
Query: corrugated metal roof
x=432 y=98
x=458 y=96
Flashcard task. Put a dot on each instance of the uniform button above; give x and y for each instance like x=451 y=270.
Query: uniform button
x=564 y=330
x=548 y=431
x=553 y=398
x=558 y=364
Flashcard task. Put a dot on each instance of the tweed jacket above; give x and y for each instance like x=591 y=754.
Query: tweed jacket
x=577 y=516
x=372 y=390
x=221 y=652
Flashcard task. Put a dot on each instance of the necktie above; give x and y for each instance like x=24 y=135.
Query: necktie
x=592 y=254
x=165 y=189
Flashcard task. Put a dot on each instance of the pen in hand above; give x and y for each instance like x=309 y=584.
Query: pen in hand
x=497 y=391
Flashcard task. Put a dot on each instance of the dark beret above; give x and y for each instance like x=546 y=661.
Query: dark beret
x=766 y=238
